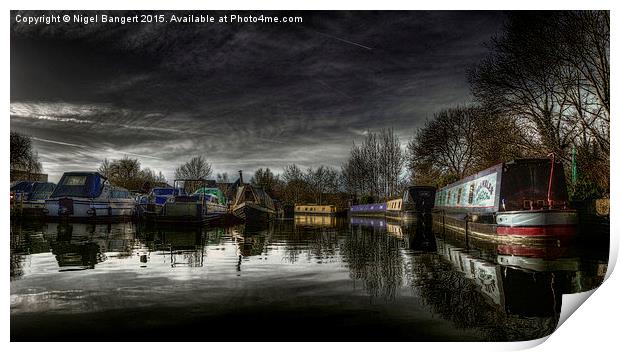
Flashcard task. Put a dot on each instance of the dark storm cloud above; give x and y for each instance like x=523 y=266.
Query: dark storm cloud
x=244 y=95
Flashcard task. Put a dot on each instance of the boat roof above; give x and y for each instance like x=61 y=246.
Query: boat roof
x=495 y=167
x=84 y=173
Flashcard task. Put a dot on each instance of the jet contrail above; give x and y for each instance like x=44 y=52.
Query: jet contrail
x=57 y=142
x=142 y=156
x=344 y=40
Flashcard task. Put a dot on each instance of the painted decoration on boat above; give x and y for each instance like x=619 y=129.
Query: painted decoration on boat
x=477 y=193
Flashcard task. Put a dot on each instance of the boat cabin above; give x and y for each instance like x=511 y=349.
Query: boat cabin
x=521 y=184
x=80 y=185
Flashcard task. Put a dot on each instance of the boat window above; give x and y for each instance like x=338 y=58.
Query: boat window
x=24 y=186
x=470 y=197
x=458 y=197
x=75 y=181
x=449 y=198
x=41 y=191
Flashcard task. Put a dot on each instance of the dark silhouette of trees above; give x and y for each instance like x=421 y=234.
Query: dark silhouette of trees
x=549 y=73
x=543 y=88
x=265 y=179
x=197 y=168
x=460 y=141
x=127 y=173
x=23 y=157
x=375 y=167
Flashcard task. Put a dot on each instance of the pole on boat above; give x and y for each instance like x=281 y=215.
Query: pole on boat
x=549 y=200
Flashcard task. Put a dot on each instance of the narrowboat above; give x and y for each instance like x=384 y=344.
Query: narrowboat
x=88 y=196
x=520 y=199
x=416 y=200
x=314 y=209
x=374 y=209
x=28 y=197
x=253 y=204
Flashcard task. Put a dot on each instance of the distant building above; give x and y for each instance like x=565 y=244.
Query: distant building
x=21 y=175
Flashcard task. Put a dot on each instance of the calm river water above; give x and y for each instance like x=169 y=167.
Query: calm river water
x=303 y=279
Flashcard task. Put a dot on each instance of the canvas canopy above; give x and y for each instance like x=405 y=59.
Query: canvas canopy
x=211 y=191
x=41 y=190
x=79 y=184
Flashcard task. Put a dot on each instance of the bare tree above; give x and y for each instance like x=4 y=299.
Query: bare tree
x=127 y=173
x=322 y=180
x=196 y=168
x=265 y=179
x=296 y=187
x=23 y=157
x=549 y=72
x=375 y=166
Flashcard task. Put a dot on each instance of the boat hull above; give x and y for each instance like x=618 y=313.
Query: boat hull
x=250 y=212
x=28 y=208
x=515 y=225
x=87 y=209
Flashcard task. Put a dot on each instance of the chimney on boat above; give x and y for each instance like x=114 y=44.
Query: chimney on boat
x=240 y=177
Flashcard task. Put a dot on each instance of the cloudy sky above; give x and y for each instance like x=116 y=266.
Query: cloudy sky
x=244 y=95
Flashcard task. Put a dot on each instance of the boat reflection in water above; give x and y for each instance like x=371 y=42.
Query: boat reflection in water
x=360 y=279
x=316 y=220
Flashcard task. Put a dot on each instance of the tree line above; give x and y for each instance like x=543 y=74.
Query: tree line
x=543 y=88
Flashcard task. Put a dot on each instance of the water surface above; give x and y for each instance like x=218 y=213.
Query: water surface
x=303 y=279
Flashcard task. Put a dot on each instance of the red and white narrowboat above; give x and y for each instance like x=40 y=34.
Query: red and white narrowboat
x=523 y=198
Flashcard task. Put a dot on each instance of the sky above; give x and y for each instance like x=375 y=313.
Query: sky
x=243 y=95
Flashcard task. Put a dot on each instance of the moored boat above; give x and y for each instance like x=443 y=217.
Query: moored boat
x=88 y=196
x=418 y=200
x=374 y=209
x=28 y=197
x=153 y=203
x=215 y=201
x=415 y=200
x=253 y=204
x=523 y=198
x=315 y=209
x=184 y=209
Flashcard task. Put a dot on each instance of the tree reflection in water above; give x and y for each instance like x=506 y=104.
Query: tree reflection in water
x=374 y=258
x=453 y=296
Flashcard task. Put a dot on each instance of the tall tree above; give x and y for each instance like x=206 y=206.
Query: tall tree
x=23 y=157
x=549 y=72
x=127 y=173
x=196 y=168
x=375 y=166
x=265 y=179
